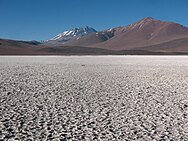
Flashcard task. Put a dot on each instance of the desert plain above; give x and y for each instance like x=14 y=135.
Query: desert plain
x=94 y=98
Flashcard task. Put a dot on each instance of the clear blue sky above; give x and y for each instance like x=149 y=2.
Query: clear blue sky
x=43 y=19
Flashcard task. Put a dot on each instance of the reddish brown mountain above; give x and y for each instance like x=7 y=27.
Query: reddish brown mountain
x=146 y=32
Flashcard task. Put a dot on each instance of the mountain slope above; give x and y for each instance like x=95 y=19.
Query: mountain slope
x=178 y=45
x=12 y=47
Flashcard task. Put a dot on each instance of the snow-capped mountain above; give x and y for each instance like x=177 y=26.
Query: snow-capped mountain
x=74 y=33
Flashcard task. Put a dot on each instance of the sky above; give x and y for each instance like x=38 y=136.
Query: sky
x=43 y=19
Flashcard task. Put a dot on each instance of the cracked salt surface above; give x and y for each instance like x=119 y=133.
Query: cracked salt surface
x=116 y=98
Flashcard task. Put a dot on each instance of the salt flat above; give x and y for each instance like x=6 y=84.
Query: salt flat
x=102 y=98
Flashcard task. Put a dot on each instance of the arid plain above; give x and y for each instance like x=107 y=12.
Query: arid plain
x=88 y=98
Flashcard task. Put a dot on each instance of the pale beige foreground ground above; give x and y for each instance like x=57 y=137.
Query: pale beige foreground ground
x=112 y=98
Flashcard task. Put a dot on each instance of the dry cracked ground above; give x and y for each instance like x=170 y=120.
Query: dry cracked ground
x=94 y=98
